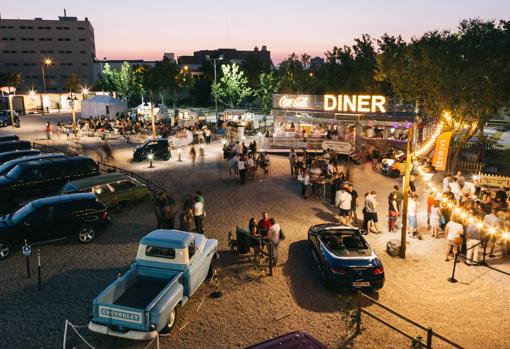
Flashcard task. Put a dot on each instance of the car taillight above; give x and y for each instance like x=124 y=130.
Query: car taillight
x=105 y=216
x=339 y=270
x=379 y=271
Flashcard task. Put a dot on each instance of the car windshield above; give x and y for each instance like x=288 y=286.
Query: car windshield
x=20 y=215
x=15 y=173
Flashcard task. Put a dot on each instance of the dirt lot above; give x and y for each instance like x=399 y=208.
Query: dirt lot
x=473 y=312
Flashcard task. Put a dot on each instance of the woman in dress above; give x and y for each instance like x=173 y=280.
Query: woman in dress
x=435 y=219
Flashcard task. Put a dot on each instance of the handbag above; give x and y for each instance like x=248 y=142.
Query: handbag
x=443 y=220
x=282 y=235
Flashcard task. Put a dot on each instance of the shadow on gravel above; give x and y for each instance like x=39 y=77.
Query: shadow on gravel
x=304 y=280
x=68 y=295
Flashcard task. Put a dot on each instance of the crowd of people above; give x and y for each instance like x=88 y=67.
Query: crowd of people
x=246 y=160
x=265 y=231
x=188 y=216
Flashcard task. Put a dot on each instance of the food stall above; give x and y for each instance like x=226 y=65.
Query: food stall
x=361 y=120
x=190 y=117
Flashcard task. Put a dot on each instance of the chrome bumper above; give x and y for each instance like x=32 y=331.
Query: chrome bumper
x=136 y=335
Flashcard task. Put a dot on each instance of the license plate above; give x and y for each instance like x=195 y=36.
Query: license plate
x=361 y=283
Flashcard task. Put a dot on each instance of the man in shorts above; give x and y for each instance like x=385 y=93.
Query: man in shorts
x=344 y=203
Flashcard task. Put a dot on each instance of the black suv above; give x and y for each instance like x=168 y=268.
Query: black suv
x=74 y=215
x=158 y=147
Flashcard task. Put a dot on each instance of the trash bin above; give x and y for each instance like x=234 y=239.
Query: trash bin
x=243 y=242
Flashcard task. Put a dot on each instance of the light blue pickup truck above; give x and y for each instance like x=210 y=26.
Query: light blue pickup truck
x=170 y=266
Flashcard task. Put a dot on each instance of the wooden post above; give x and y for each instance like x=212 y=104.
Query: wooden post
x=429 y=338
x=358 y=309
x=403 y=235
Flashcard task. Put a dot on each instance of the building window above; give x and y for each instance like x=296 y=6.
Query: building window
x=67 y=39
x=81 y=28
x=47 y=27
x=84 y=64
x=14 y=51
x=69 y=64
x=62 y=64
x=22 y=39
x=10 y=27
x=69 y=52
x=25 y=51
x=61 y=51
x=83 y=52
x=59 y=28
x=12 y=39
x=32 y=51
x=5 y=39
x=40 y=28
x=49 y=39
x=22 y=27
x=81 y=39
x=42 y=39
x=6 y=51
x=30 y=27
x=30 y=39
x=66 y=28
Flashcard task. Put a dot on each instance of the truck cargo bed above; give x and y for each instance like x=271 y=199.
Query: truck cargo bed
x=141 y=293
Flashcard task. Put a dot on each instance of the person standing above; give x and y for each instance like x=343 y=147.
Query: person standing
x=454 y=233
x=430 y=202
x=393 y=212
x=193 y=155
x=412 y=212
x=435 y=219
x=354 y=202
x=371 y=212
x=493 y=222
x=198 y=214
x=274 y=236
x=264 y=224
x=159 y=203
x=343 y=202
x=292 y=162
x=473 y=238
x=446 y=182
x=241 y=165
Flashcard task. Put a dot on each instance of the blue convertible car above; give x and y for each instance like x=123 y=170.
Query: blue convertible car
x=345 y=258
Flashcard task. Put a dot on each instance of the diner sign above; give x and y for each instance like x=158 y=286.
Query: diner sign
x=337 y=146
x=332 y=103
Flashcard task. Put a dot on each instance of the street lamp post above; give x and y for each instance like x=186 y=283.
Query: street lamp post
x=72 y=99
x=214 y=63
x=47 y=62
x=11 y=108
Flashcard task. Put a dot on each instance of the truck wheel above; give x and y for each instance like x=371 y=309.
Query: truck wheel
x=86 y=234
x=171 y=322
x=5 y=250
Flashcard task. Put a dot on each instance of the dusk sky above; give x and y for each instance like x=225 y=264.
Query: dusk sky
x=146 y=29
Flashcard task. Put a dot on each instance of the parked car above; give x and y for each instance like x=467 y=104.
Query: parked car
x=6 y=120
x=15 y=154
x=159 y=148
x=76 y=215
x=9 y=165
x=41 y=177
x=112 y=189
x=170 y=266
x=8 y=137
x=14 y=145
x=394 y=163
x=345 y=258
x=290 y=340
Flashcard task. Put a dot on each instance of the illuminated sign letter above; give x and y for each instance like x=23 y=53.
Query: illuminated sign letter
x=329 y=102
x=351 y=103
x=378 y=102
x=363 y=104
x=339 y=102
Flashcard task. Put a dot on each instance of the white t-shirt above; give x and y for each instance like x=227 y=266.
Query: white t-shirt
x=411 y=208
x=241 y=165
x=453 y=229
x=344 y=200
x=455 y=187
x=274 y=233
x=491 y=220
x=306 y=180
x=446 y=181
x=198 y=209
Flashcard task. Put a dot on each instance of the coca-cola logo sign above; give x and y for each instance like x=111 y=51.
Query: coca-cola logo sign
x=299 y=102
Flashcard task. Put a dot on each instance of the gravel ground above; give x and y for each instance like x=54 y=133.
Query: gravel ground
x=473 y=312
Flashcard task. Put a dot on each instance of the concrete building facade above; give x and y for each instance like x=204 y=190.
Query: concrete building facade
x=68 y=43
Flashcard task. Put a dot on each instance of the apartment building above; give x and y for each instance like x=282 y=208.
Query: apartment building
x=60 y=47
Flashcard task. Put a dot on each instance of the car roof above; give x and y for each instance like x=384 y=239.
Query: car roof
x=63 y=198
x=32 y=158
x=98 y=180
x=52 y=160
x=168 y=238
x=19 y=151
x=290 y=340
x=8 y=135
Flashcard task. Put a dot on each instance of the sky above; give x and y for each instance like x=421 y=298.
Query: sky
x=145 y=29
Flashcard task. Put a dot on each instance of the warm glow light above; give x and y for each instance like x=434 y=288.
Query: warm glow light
x=151 y=156
x=506 y=235
x=32 y=93
x=47 y=61
x=492 y=230
x=85 y=91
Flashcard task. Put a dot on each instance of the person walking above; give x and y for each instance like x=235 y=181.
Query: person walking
x=292 y=162
x=49 y=131
x=193 y=155
x=305 y=184
x=198 y=214
x=185 y=219
x=430 y=202
x=159 y=203
x=241 y=165
x=493 y=222
x=354 y=202
x=371 y=212
x=274 y=236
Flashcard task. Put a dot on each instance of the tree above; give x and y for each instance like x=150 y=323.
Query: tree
x=73 y=82
x=106 y=79
x=268 y=85
x=232 y=88
x=11 y=80
x=465 y=73
x=293 y=74
x=126 y=81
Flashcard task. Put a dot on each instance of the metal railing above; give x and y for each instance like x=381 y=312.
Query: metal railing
x=416 y=339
